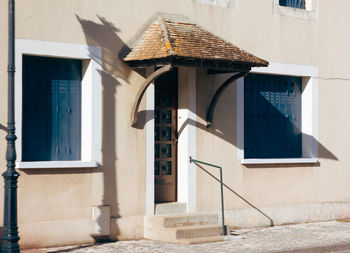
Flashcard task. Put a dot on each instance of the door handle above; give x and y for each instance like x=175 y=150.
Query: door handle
x=175 y=141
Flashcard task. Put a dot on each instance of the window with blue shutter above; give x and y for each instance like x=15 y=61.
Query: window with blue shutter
x=51 y=109
x=300 y=4
x=272 y=116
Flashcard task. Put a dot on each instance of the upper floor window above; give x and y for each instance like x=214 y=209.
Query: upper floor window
x=300 y=4
x=304 y=9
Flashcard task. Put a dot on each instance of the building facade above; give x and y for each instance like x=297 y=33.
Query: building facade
x=87 y=172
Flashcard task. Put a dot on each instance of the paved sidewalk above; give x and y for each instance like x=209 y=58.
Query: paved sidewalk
x=319 y=237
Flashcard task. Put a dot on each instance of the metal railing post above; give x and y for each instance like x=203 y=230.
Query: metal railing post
x=224 y=232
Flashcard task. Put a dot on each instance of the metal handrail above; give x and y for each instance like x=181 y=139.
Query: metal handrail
x=224 y=232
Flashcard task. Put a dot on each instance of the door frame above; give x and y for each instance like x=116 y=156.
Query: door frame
x=186 y=177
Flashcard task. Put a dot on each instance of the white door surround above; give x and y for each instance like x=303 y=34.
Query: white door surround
x=186 y=180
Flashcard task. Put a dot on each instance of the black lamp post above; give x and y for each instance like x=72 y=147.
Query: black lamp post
x=10 y=230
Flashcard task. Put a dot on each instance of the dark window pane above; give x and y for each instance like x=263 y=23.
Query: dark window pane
x=166 y=168
x=166 y=133
x=166 y=150
x=166 y=117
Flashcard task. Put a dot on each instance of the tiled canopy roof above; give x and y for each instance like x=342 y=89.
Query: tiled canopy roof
x=174 y=39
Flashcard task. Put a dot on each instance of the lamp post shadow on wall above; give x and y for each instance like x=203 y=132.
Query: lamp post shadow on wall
x=10 y=236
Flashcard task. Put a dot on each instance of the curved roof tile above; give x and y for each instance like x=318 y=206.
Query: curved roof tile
x=169 y=36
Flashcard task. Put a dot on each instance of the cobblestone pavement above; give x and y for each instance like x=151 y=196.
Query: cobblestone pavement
x=311 y=237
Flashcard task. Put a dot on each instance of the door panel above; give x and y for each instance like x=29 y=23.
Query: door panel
x=165 y=137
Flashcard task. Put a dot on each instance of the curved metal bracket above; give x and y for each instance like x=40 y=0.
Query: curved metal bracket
x=142 y=90
x=217 y=95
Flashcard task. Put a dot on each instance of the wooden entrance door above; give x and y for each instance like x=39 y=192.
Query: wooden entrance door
x=165 y=137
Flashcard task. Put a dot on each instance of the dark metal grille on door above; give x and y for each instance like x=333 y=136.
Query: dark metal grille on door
x=164 y=133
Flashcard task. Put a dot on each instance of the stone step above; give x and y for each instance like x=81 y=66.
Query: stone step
x=182 y=234
x=190 y=232
x=170 y=221
x=170 y=208
x=190 y=228
x=208 y=239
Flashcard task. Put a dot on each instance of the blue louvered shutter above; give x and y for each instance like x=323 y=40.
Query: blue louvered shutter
x=65 y=120
x=293 y=3
x=272 y=116
x=51 y=109
x=74 y=112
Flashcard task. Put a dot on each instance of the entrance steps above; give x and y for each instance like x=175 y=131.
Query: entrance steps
x=171 y=208
x=189 y=228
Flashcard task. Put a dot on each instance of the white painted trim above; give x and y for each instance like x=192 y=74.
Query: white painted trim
x=309 y=117
x=56 y=164
x=278 y=68
x=279 y=161
x=95 y=102
x=240 y=117
x=309 y=112
x=150 y=147
x=186 y=186
x=91 y=92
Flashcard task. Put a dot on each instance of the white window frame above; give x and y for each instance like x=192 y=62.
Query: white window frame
x=309 y=112
x=310 y=11
x=91 y=120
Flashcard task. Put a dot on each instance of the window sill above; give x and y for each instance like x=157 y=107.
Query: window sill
x=279 y=161
x=56 y=164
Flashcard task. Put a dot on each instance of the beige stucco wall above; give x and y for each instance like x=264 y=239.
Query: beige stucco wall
x=286 y=39
x=60 y=197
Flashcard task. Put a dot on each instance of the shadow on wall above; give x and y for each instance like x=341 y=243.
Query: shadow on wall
x=224 y=127
x=226 y=130
x=104 y=35
x=236 y=193
x=323 y=152
x=2 y=127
